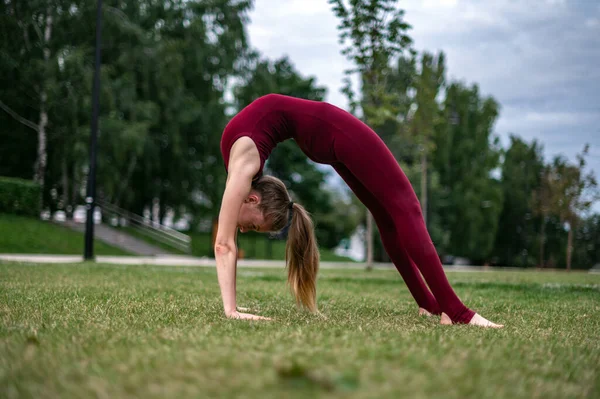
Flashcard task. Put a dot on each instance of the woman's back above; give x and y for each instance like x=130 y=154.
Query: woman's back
x=274 y=118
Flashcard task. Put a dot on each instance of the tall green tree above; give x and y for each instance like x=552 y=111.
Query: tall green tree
x=175 y=76
x=374 y=34
x=428 y=82
x=573 y=193
x=165 y=70
x=521 y=175
x=587 y=252
x=34 y=35
x=68 y=143
x=466 y=156
x=543 y=198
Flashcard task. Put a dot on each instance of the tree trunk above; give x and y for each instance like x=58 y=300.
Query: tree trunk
x=125 y=180
x=424 y=185
x=42 y=156
x=542 y=240
x=569 y=247
x=162 y=213
x=369 y=240
x=65 y=187
x=75 y=188
x=162 y=206
x=40 y=170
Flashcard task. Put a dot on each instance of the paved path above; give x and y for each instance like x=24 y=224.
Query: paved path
x=166 y=260
x=182 y=260
x=119 y=239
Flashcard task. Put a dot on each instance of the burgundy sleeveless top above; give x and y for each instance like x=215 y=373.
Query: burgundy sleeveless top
x=274 y=118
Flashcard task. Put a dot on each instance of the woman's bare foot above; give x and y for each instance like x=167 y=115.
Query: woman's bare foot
x=477 y=320
x=423 y=312
x=445 y=320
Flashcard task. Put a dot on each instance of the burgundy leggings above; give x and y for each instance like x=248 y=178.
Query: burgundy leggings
x=371 y=171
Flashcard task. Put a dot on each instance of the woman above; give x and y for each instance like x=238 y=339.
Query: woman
x=327 y=135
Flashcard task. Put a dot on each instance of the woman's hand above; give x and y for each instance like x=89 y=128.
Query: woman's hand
x=246 y=316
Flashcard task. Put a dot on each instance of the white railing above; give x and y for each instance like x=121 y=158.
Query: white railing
x=148 y=227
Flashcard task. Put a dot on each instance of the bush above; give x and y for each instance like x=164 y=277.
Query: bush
x=19 y=197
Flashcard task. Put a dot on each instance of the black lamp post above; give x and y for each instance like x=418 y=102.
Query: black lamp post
x=90 y=198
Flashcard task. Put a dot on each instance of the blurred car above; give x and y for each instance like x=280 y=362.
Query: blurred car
x=80 y=214
x=60 y=216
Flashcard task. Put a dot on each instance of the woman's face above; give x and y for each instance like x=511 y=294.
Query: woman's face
x=250 y=217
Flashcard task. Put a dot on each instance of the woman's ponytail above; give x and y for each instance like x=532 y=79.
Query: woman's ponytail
x=302 y=258
x=301 y=251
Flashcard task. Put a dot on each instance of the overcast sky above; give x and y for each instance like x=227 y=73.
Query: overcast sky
x=540 y=59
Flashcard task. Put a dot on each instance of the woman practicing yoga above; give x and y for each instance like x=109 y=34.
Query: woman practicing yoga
x=327 y=135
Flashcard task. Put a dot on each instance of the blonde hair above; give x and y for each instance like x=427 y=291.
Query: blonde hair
x=301 y=251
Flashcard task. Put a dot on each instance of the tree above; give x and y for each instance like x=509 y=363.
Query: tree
x=179 y=67
x=428 y=83
x=263 y=76
x=573 y=193
x=376 y=35
x=542 y=200
x=164 y=76
x=587 y=252
x=521 y=175
x=466 y=156
x=33 y=36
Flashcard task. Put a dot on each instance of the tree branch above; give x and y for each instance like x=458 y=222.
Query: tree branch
x=18 y=117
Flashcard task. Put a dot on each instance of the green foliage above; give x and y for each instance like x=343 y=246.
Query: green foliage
x=518 y=225
x=586 y=251
x=374 y=33
x=262 y=76
x=165 y=68
x=166 y=103
x=466 y=156
x=437 y=200
x=427 y=84
x=566 y=192
x=337 y=223
x=573 y=190
x=19 y=197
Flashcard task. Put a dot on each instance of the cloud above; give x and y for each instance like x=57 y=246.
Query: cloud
x=560 y=118
x=592 y=23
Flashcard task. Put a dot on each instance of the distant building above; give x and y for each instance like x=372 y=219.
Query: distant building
x=353 y=247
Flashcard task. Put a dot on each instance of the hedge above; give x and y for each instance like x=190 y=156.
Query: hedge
x=19 y=197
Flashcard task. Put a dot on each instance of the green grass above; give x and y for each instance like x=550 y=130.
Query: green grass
x=88 y=330
x=32 y=236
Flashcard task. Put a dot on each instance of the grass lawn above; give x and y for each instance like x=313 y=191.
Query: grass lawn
x=22 y=235
x=87 y=330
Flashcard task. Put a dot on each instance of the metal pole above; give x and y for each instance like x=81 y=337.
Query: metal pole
x=91 y=185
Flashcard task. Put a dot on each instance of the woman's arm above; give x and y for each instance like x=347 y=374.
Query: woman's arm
x=244 y=163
